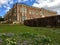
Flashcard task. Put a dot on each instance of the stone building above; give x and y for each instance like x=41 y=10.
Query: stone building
x=21 y=12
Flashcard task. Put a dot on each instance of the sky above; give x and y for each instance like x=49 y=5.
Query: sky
x=53 y=5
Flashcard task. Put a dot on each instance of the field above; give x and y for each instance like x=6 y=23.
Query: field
x=53 y=33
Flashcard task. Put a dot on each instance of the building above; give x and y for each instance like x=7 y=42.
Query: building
x=52 y=21
x=21 y=12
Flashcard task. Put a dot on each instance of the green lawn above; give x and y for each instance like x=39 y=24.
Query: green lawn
x=54 y=33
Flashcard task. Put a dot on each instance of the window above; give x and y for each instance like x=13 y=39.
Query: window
x=23 y=10
x=41 y=12
x=37 y=13
x=15 y=18
x=23 y=18
x=14 y=11
x=30 y=12
x=23 y=14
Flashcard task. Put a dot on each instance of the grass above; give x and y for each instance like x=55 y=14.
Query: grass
x=54 y=33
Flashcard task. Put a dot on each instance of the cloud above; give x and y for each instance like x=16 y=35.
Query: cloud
x=0 y=5
x=7 y=9
x=48 y=4
x=22 y=1
x=12 y=2
x=5 y=6
x=2 y=2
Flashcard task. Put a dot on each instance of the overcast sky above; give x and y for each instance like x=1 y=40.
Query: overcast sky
x=53 y=5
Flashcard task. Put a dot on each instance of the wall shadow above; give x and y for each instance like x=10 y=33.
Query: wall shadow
x=52 y=21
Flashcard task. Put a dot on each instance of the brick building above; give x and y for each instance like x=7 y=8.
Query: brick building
x=21 y=12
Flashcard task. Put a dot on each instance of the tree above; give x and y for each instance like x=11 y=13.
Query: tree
x=1 y=18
